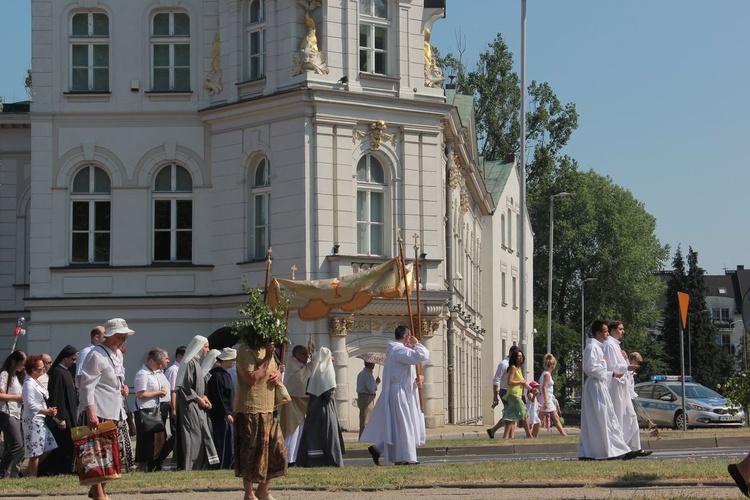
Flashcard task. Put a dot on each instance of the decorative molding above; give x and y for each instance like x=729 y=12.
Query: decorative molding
x=340 y=326
x=377 y=133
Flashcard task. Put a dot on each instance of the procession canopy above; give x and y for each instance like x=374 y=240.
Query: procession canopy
x=315 y=299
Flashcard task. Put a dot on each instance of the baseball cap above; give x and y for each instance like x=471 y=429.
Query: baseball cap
x=116 y=326
x=533 y=384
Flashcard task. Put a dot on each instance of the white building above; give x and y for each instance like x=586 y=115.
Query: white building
x=173 y=142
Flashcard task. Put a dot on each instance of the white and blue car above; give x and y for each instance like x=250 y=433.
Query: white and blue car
x=660 y=401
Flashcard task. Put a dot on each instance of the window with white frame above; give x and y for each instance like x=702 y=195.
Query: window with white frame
x=509 y=222
x=260 y=194
x=173 y=214
x=502 y=230
x=515 y=292
x=89 y=52
x=255 y=39
x=374 y=28
x=170 y=52
x=371 y=206
x=90 y=197
x=503 y=296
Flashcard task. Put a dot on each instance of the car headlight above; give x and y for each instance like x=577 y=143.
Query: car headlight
x=694 y=406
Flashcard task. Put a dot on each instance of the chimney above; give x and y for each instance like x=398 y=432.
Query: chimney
x=740 y=267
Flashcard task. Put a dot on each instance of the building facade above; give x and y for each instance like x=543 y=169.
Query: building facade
x=170 y=144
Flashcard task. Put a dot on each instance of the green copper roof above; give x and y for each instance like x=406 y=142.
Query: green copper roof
x=463 y=103
x=496 y=175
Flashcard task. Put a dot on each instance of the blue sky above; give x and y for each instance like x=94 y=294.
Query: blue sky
x=660 y=86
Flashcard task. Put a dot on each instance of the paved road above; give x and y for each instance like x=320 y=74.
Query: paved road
x=683 y=491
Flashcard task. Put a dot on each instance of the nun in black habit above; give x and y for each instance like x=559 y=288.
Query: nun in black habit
x=62 y=394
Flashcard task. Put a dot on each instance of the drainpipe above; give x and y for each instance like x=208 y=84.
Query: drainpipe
x=449 y=272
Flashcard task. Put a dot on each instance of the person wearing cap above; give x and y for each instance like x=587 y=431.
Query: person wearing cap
x=220 y=392
x=194 y=445
x=103 y=389
x=62 y=395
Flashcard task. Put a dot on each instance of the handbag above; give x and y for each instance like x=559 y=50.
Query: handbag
x=150 y=419
x=97 y=453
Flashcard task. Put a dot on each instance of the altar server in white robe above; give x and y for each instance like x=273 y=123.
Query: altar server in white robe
x=396 y=426
x=620 y=389
x=292 y=414
x=601 y=435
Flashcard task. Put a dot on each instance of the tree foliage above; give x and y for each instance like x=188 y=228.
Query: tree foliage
x=711 y=365
x=602 y=232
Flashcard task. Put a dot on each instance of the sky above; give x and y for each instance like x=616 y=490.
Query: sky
x=660 y=88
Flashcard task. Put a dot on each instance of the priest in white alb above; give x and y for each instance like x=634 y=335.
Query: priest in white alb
x=396 y=426
x=620 y=389
x=601 y=435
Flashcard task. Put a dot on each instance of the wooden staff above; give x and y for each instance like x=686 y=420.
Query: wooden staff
x=268 y=275
x=416 y=282
x=286 y=326
x=402 y=261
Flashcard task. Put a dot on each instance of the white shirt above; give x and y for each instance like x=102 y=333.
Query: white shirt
x=171 y=374
x=146 y=380
x=81 y=358
x=12 y=408
x=33 y=399
x=100 y=383
x=500 y=379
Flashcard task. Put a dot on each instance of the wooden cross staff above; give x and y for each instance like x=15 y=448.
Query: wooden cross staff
x=408 y=306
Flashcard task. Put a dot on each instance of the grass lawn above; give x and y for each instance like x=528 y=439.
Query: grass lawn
x=487 y=472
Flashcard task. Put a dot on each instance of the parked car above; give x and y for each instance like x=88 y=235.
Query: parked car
x=660 y=401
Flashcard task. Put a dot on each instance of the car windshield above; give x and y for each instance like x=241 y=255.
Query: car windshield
x=694 y=391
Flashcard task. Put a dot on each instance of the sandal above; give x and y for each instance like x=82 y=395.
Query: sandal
x=738 y=479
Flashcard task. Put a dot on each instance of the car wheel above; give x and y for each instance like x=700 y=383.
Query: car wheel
x=678 y=421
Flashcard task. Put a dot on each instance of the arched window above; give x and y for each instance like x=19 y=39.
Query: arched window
x=255 y=39
x=173 y=214
x=170 y=52
x=260 y=195
x=371 y=206
x=89 y=52
x=374 y=27
x=90 y=197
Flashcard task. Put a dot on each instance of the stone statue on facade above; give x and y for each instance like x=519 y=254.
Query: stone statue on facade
x=213 y=79
x=309 y=58
x=433 y=75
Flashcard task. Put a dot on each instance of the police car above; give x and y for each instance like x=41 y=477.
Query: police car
x=660 y=401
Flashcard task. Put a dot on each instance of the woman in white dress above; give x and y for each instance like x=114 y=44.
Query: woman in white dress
x=547 y=407
x=37 y=436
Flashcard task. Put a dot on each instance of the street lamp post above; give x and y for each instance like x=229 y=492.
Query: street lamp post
x=583 y=328
x=549 y=278
x=690 y=341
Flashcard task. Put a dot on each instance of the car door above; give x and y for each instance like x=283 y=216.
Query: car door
x=664 y=406
x=644 y=402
